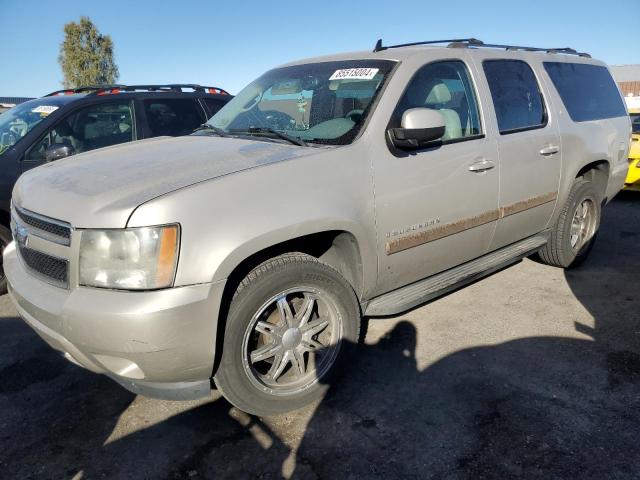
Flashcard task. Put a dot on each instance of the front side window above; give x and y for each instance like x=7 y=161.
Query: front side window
x=97 y=126
x=318 y=103
x=20 y=120
x=516 y=95
x=173 y=116
x=587 y=91
x=446 y=87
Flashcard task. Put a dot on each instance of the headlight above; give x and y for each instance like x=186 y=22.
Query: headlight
x=129 y=259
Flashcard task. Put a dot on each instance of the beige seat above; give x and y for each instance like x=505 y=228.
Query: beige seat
x=438 y=97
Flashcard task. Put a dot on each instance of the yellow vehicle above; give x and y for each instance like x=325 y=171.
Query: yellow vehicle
x=633 y=177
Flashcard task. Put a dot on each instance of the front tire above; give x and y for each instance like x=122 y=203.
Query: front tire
x=292 y=321
x=575 y=231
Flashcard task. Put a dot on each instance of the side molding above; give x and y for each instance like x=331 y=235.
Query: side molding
x=441 y=231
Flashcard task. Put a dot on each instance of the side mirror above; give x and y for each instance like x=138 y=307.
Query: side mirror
x=418 y=127
x=57 y=151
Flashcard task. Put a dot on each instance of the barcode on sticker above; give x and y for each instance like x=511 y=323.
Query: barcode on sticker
x=354 y=74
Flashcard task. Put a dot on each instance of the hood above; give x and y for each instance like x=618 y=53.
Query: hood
x=100 y=189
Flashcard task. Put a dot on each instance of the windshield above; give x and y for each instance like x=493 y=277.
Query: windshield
x=20 y=120
x=318 y=102
x=635 y=122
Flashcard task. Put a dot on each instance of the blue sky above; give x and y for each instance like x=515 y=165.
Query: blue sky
x=229 y=43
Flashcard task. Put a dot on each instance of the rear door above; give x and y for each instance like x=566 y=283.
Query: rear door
x=529 y=150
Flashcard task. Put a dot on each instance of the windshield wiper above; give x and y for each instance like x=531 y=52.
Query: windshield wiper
x=283 y=136
x=206 y=126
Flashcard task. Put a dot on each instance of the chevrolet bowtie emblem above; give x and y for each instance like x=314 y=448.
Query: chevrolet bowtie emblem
x=22 y=236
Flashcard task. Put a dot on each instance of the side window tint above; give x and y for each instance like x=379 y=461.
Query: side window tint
x=587 y=91
x=446 y=87
x=516 y=95
x=173 y=117
x=97 y=126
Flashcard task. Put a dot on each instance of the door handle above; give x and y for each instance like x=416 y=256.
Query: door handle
x=481 y=166
x=549 y=150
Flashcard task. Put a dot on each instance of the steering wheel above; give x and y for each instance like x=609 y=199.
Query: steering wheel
x=355 y=112
x=277 y=119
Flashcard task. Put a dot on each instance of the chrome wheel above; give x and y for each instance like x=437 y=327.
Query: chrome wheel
x=292 y=341
x=583 y=224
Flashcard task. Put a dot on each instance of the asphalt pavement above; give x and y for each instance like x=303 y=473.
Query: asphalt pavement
x=533 y=372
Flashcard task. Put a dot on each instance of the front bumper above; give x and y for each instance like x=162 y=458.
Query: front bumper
x=157 y=343
x=632 y=182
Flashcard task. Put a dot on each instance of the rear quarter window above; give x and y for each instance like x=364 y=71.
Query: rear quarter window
x=587 y=91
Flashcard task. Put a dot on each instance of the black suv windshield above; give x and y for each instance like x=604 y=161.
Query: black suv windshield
x=635 y=122
x=20 y=120
x=317 y=102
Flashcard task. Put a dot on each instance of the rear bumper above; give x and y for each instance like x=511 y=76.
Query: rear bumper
x=159 y=343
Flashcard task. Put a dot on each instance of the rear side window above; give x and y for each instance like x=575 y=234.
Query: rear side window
x=516 y=95
x=214 y=104
x=173 y=116
x=587 y=91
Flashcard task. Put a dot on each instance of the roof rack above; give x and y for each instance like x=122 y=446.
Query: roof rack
x=379 y=47
x=87 y=88
x=117 y=88
x=475 y=43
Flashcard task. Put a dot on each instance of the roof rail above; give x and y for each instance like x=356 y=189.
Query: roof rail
x=87 y=88
x=379 y=47
x=117 y=88
x=475 y=43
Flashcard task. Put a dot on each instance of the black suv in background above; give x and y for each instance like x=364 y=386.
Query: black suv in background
x=67 y=122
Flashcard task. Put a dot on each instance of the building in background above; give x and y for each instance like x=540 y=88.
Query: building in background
x=628 y=78
x=9 y=102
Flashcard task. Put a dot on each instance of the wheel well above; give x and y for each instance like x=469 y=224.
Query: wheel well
x=598 y=174
x=336 y=248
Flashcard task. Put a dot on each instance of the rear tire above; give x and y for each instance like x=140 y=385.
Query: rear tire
x=575 y=232
x=5 y=239
x=292 y=322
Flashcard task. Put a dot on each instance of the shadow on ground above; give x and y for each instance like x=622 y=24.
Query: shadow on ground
x=541 y=407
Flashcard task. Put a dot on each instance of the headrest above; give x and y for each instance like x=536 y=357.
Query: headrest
x=64 y=129
x=439 y=94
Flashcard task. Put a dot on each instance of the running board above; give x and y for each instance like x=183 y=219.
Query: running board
x=422 y=291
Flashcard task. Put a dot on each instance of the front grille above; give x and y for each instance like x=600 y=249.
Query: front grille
x=51 y=269
x=49 y=229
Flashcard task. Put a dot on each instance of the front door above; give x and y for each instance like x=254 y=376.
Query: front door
x=437 y=207
x=88 y=128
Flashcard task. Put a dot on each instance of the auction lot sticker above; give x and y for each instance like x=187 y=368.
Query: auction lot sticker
x=45 y=110
x=354 y=74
